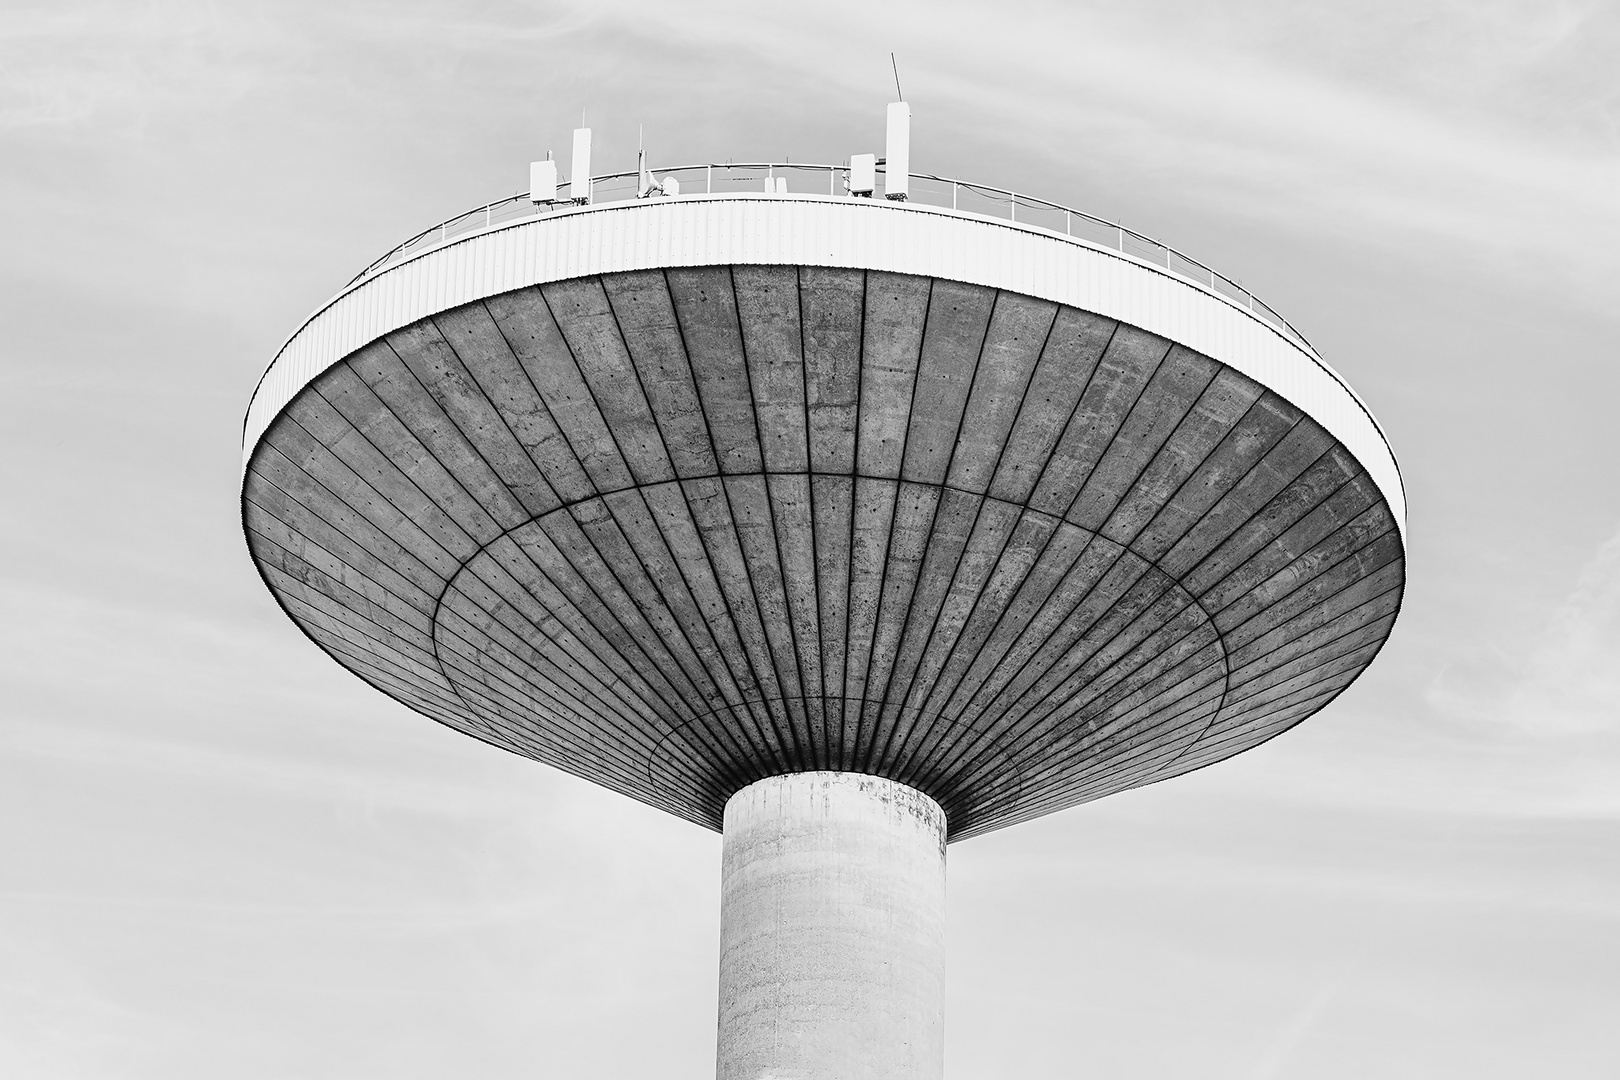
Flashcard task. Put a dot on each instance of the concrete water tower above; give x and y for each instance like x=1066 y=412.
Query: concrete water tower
x=846 y=522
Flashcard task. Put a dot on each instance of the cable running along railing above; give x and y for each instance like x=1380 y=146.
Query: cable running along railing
x=792 y=178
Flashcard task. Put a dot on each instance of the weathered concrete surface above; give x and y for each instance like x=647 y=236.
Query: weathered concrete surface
x=679 y=530
x=832 y=931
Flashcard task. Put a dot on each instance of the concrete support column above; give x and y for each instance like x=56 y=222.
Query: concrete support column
x=832 y=931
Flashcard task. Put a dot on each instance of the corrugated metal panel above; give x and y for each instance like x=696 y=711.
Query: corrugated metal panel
x=825 y=231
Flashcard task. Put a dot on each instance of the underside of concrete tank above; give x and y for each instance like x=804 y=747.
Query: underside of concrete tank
x=678 y=528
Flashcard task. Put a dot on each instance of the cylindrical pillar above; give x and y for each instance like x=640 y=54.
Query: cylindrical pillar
x=832 y=931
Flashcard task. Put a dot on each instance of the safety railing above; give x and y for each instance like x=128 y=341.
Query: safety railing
x=793 y=178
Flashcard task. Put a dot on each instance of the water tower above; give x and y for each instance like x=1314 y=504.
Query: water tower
x=844 y=510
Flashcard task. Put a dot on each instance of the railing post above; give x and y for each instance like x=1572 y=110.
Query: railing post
x=708 y=180
x=1012 y=205
x=1068 y=227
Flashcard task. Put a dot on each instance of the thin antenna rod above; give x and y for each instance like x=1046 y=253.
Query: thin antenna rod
x=898 y=92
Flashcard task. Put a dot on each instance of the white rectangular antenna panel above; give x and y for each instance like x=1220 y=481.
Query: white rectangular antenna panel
x=579 y=189
x=897 y=152
x=862 y=174
x=543 y=181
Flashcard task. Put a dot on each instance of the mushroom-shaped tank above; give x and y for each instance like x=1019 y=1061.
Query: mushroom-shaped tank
x=680 y=494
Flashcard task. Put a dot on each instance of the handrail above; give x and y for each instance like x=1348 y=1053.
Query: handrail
x=1039 y=213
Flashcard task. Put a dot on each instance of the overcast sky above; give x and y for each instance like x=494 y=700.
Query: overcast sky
x=221 y=855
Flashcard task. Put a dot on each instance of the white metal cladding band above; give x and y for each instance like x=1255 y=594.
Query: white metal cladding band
x=818 y=230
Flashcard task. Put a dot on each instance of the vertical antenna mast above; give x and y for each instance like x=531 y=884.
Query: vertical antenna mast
x=579 y=187
x=897 y=146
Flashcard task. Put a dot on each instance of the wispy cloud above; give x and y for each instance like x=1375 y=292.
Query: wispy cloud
x=1297 y=1029
x=111 y=65
x=1569 y=683
x=66 y=66
x=190 y=723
